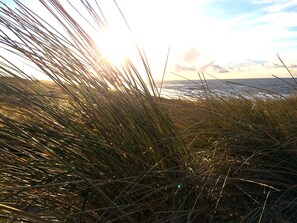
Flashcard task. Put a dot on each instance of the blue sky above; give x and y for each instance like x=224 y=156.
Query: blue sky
x=229 y=9
x=225 y=38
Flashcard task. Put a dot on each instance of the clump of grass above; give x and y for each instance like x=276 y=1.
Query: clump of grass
x=98 y=148
x=97 y=145
x=261 y=138
x=248 y=148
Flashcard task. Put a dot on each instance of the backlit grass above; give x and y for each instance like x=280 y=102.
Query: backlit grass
x=97 y=145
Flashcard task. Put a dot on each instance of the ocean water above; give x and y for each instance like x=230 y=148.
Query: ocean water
x=235 y=88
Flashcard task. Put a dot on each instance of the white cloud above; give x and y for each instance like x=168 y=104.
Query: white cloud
x=281 y=5
x=260 y=2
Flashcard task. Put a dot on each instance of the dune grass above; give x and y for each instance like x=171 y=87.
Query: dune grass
x=97 y=145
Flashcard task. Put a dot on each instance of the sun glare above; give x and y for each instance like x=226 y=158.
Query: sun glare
x=116 y=45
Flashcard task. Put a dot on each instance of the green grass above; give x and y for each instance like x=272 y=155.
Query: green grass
x=97 y=145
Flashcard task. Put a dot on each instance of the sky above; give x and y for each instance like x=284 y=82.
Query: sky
x=221 y=38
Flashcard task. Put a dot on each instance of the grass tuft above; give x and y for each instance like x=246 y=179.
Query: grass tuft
x=96 y=144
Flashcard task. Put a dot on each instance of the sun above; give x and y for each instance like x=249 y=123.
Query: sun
x=116 y=45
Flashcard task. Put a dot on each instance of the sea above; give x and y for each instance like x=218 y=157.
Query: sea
x=266 y=88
